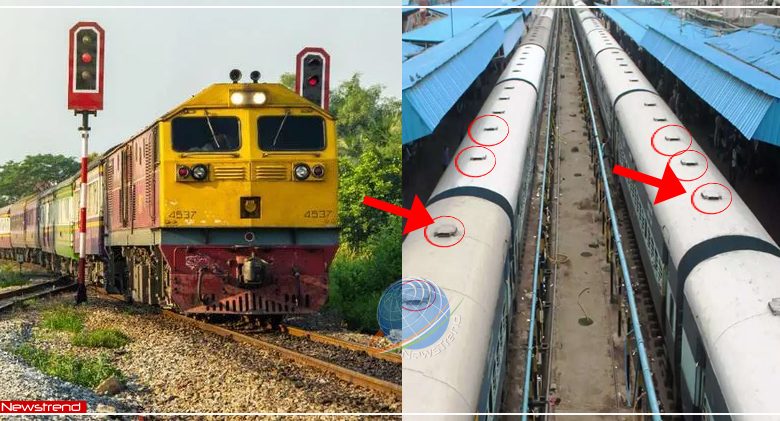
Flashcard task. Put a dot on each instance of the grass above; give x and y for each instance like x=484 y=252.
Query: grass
x=87 y=372
x=100 y=338
x=10 y=277
x=29 y=303
x=11 y=281
x=63 y=318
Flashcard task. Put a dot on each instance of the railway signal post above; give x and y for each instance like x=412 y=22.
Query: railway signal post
x=85 y=97
x=312 y=76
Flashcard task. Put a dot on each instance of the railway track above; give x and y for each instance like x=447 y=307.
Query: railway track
x=325 y=339
x=651 y=329
x=295 y=353
x=356 y=364
x=655 y=342
x=9 y=299
x=626 y=271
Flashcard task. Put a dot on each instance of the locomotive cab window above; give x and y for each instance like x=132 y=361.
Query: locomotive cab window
x=205 y=134
x=291 y=133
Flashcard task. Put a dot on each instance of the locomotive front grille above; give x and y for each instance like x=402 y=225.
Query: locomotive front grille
x=271 y=172
x=230 y=173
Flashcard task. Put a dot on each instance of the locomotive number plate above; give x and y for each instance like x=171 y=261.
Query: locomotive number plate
x=318 y=213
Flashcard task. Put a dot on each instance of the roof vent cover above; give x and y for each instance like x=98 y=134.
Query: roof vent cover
x=445 y=231
x=774 y=306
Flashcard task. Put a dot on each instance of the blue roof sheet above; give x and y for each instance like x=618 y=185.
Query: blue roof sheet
x=434 y=80
x=458 y=20
x=738 y=74
x=757 y=45
x=441 y=29
x=408 y=49
x=514 y=28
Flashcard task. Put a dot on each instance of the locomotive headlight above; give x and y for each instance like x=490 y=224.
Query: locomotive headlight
x=237 y=98
x=199 y=172
x=318 y=170
x=302 y=171
x=258 y=98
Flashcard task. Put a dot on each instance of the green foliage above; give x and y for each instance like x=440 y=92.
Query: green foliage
x=63 y=318
x=12 y=280
x=288 y=79
x=366 y=120
x=10 y=276
x=87 y=372
x=34 y=174
x=357 y=279
x=101 y=338
x=375 y=176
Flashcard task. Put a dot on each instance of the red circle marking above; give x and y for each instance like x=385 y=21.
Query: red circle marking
x=706 y=161
x=693 y=195
x=425 y=282
x=457 y=167
x=492 y=144
x=652 y=139
x=425 y=232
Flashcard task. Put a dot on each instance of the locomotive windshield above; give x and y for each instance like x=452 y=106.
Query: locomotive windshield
x=291 y=133
x=205 y=134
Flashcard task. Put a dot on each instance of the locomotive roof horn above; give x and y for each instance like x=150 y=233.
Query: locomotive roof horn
x=235 y=75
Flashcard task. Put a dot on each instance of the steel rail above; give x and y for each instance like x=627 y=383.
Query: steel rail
x=534 y=291
x=12 y=298
x=640 y=343
x=352 y=346
x=346 y=374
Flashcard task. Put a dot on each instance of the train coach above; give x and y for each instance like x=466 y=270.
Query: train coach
x=711 y=266
x=477 y=272
x=225 y=204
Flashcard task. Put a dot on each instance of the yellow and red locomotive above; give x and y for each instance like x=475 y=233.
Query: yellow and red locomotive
x=225 y=204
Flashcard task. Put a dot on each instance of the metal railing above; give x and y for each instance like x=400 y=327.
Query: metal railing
x=543 y=192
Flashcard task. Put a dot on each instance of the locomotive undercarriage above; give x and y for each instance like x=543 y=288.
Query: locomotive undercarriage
x=220 y=280
x=265 y=283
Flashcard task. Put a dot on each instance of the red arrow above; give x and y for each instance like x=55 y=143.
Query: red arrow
x=668 y=185
x=417 y=217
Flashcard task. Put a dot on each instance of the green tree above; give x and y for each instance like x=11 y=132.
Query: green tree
x=369 y=260
x=366 y=119
x=288 y=79
x=34 y=174
x=373 y=175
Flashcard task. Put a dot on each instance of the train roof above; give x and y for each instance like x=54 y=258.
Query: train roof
x=218 y=96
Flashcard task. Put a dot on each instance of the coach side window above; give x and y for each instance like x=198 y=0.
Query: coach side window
x=205 y=134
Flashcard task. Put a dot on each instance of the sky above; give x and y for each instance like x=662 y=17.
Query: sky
x=157 y=58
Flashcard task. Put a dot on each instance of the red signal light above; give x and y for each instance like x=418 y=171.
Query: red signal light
x=184 y=172
x=86 y=58
x=313 y=81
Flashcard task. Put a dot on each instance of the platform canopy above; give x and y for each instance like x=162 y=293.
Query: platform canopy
x=452 y=51
x=434 y=80
x=737 y=72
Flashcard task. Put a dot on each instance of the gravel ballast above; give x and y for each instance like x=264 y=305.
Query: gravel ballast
x=172 y=367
